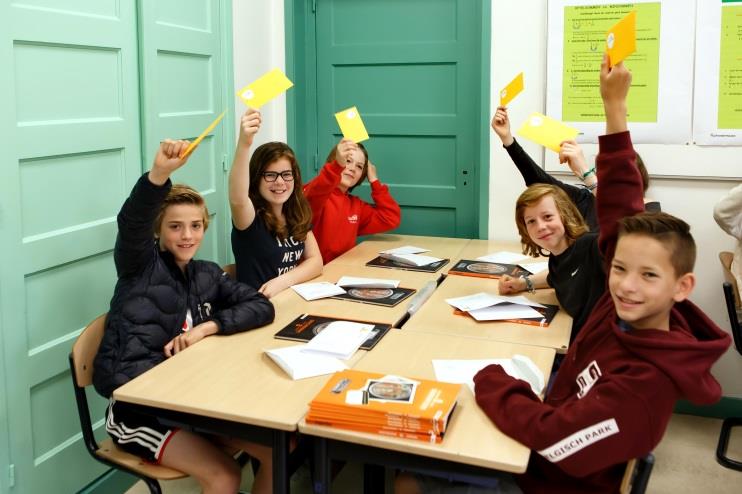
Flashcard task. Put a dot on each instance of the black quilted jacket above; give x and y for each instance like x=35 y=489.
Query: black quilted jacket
x=152 y=296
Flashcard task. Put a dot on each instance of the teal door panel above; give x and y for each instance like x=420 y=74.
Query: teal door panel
x=72 y=122
x=183 y=92
x=413 y=70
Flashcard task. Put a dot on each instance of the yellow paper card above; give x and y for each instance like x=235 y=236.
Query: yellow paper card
x=511 y=90
x=200 y=138
x=351 y=124
x=546 y=131
x=620 y=40
x=265 y=88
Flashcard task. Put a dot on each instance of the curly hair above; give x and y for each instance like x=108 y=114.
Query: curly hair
x=332 y=156
x=181 y=194
x=574 y=224
x=296 y=209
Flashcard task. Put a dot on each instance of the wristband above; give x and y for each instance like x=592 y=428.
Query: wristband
x=591 y=171
x=529 y=284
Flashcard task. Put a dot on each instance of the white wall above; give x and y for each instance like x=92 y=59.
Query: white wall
x=259 y=46
x=519 y=44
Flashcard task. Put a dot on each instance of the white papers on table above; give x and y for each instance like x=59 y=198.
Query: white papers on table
x=340 y=339
x=487 y=307
x=535 y=267
x=472 y=302
x=317 y=290
x=503 y=257
x=407 y=249
x=299 y=364
x=354 y=282
x=411 y=259
x=503 y=311
x=463 y=371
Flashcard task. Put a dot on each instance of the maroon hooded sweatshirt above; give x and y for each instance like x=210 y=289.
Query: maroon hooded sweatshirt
x=616 y=388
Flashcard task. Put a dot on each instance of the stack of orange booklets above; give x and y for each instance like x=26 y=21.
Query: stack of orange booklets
x=389 y=405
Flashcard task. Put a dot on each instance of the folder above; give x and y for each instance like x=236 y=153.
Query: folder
x=511 y=90
x=620 y=40
x=546 y=131
x=351 y=124
x=192 y=146
x=265 y=88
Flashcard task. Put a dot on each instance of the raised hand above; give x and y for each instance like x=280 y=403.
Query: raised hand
x=371 y=172
x=167 y=160
x=345 y=151
x=249 y=126
x=614 y=88
x=571 y=153
x=501 y=125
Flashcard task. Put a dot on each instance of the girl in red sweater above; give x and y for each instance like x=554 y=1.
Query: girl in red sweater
x=339 y=217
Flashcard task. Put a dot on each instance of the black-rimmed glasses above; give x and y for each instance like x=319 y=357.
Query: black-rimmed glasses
x=287 y=176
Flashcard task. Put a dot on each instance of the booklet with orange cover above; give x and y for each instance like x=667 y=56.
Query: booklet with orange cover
x=482 y=269
x=384 y=404
x=548 y=311
x=383 y=262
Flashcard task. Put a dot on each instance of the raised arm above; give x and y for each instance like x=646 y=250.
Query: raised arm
x=621 y=188
x=243 y=211
x=318 y=190
x=310 y=266
x=134 y=242
x=728 y=212
x=385 y=215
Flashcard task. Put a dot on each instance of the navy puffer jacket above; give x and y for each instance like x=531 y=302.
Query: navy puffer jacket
x=152 y=296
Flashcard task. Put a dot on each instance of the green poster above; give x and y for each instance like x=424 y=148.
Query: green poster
x=585 y=29
x=730 y=68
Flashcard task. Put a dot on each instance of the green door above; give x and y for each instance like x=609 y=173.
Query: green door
x=414 y=70
x=89 y=89
x=71 y=119
x=184 y=89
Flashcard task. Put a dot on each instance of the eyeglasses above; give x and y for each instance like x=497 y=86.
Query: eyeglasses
x=287 y=176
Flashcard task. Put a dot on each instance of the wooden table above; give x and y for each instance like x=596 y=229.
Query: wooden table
x=289 y=300
x=436 y=316
x=471 y=445
x=441 y=247
x=227 y=385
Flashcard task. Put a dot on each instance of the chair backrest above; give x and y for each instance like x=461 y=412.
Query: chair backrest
x=726 y=263
x=85 y=349
x=732 y=313
x=231 y=270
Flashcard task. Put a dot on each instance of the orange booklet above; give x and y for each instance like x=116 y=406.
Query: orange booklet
x=391 y=405
x=548 y=311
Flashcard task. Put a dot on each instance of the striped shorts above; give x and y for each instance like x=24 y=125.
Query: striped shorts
x=136 y=433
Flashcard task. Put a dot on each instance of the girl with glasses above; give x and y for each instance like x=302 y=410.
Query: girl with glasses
x=272 y=240
x=340 y=217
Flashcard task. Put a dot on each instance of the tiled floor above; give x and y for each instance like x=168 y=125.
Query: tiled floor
x=685 y=464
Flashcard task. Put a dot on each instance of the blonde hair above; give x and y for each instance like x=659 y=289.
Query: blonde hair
x=574 y=224
x=181 y=194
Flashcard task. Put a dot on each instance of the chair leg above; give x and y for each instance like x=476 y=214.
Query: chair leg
x=643 y=472
x=721 y=448
x=154 y=485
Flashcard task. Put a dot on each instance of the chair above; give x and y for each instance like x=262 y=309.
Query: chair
x=231 y=270
x=636 y=478
x=732 y=299
x=81 y=365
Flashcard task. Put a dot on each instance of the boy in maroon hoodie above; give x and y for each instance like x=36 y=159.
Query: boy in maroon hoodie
x=643 y=347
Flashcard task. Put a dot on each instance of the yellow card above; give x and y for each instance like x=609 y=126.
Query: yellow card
x=511 y=90
x=620 y=40
x=546 y=131
x=265 y=88
x=351 y=124
x=200 y=138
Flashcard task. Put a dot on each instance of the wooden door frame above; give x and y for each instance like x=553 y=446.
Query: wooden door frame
x=301 y=63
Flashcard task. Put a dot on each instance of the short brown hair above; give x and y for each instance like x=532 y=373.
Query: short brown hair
x=296 y=209
x=181 y=194
x=672 y=232
x=332 y=156
x=574 y=224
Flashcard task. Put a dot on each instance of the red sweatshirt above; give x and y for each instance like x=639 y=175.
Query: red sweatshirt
x=338 y=218
x=616 y=388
